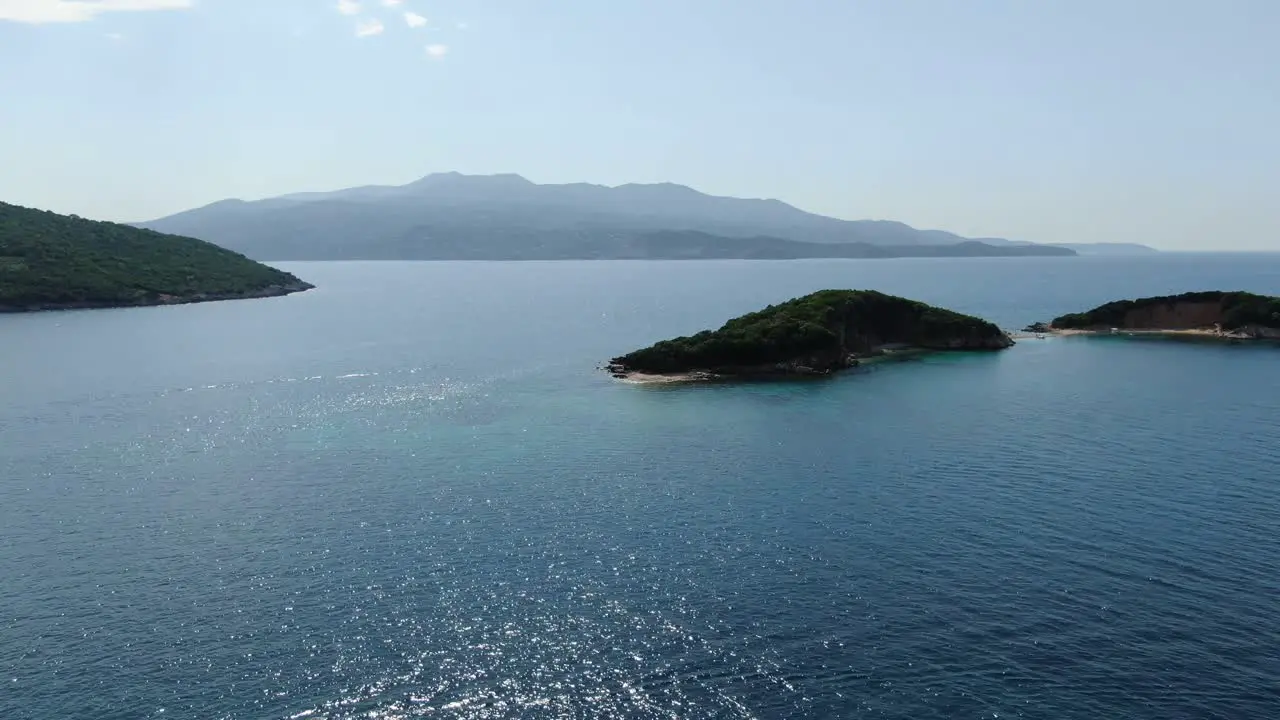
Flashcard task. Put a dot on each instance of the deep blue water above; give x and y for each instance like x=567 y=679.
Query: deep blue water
x=410 y=494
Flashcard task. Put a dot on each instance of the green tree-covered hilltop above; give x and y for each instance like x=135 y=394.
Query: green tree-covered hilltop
x=53 y=262
x=1240 y=314
x=816 y=334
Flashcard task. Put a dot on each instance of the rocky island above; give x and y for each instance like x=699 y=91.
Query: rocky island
x=814 y=335
x=62 y=262
x=1230 y=315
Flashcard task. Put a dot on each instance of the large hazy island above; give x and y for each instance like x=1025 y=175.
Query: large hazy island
x=817 y=334
x=451 y=216
x=59 y=262
x=1236 y=315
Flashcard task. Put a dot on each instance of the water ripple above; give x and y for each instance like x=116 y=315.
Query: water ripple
x=1022 y=535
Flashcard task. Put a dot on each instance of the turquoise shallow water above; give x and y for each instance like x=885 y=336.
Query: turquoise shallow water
x=409 y=494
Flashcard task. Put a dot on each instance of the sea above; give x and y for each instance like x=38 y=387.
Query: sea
x=412 y=493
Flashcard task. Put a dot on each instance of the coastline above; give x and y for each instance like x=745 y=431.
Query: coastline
x=1211 y=333
x=879 y=354
x=266 y=292
x=898 y=352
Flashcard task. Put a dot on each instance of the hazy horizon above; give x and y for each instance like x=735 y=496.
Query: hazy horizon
x=1054 y=122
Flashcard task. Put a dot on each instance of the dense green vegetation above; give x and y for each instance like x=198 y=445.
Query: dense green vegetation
x=49 y=261
x=1239 y=309
x=829 y=322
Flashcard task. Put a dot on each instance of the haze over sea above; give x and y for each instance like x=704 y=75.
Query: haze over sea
x=409 y=493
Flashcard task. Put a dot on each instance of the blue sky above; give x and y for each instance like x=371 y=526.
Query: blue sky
x=1045 y=120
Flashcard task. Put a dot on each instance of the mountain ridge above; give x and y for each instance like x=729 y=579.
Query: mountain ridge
x=456 y=216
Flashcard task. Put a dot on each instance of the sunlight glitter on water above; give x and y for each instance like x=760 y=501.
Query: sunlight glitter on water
x=480 y=528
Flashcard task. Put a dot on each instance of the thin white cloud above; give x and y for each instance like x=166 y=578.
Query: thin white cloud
x=437 y=51
x=414 y=20
x=56 y=11
x=392 y=3
x=369 y=28
x=114 y=37
x=463 y=26
x=348 y=7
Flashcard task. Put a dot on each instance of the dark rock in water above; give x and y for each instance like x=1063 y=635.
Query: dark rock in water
x=813 y=336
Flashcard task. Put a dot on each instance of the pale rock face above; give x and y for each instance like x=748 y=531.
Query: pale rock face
x=1178 y=316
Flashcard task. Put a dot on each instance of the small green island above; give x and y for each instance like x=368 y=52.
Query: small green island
x=813 y=335
x=62 y=262
x=1229 y=315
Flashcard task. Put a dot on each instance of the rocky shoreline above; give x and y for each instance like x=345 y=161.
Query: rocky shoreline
x=793 y=370
x=156 y=300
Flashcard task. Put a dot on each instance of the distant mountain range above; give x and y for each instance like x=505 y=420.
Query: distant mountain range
x=450 y=216
x=695 y=245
